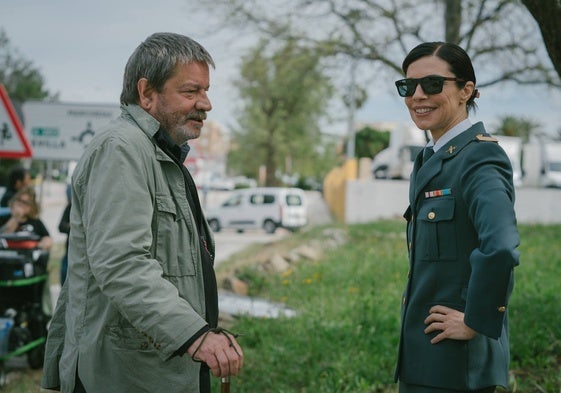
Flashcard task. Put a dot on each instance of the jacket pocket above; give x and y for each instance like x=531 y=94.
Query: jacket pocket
x=173 y=249
x=436 y=232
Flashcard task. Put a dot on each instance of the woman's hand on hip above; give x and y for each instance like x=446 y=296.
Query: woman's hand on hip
x=450 y=324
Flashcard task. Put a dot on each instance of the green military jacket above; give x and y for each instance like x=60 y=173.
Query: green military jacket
x=462 y=240
x=134 y=293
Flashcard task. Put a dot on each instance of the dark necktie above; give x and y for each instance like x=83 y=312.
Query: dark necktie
x=427 y=153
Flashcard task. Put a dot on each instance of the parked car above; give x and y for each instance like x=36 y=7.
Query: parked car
x=263 y=207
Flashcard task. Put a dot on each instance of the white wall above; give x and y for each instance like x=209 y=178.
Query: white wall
x=370 y=200
x=377 y=199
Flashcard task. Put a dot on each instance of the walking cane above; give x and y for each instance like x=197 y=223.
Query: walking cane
x=225 y=385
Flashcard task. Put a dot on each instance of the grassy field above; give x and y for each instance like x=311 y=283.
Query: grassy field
x=345 y=335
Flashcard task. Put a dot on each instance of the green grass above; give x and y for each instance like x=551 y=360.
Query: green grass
x=535 y=311
x=345 y=336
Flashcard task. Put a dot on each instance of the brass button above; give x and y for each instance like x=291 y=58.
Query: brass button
x=501 y=309
x=431 y=215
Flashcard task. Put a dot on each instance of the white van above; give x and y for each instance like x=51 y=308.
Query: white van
x=266 y=207
x=395 y=164
x=550 y=174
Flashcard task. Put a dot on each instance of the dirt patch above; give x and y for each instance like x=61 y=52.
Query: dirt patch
x=321 y=238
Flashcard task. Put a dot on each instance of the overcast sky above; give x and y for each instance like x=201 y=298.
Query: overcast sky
x=81 y=49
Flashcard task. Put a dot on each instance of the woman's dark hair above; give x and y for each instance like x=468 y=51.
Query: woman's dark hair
x=17 y=173
x=457 y=58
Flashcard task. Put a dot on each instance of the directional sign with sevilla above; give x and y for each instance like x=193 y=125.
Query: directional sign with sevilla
x=13 y=142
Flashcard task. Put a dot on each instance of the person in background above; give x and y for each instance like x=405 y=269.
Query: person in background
x=18 y=178
x=139 y=308
x=64 y=227
x=24 y=217
x=461 y=234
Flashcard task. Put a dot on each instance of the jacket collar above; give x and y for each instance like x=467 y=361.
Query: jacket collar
x=143 y=119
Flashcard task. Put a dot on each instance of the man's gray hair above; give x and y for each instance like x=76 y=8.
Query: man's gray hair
x=156 y=58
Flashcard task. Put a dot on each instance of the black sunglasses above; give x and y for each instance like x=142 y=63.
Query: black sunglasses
x=432 y=84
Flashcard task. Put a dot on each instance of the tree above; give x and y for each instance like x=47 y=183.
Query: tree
x=283 y=97
x=499 y=35
x=548 y=15
x=517 y=126
x=370 y=142
x=20 y=77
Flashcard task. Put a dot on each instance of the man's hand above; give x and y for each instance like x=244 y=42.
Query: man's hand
x=222 y=354
x=450 y=323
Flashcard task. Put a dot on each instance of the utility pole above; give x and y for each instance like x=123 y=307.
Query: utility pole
x=352 y=109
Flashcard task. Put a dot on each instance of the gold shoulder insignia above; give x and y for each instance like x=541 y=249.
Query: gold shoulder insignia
x=484 y=138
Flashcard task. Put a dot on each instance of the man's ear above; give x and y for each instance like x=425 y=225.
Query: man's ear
x=145 y=94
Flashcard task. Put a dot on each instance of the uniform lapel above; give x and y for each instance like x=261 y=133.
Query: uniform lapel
x=427 y=172
x=422 y=175
x=413 y=179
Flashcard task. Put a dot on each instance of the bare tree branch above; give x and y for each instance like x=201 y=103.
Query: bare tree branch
x=500 y=35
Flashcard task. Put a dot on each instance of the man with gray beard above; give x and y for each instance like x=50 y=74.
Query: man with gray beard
x=139 y=309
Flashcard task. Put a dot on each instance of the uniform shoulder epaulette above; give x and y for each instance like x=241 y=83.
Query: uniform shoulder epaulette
x=486 y=138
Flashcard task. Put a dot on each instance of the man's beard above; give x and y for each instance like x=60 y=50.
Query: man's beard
x=175 y=124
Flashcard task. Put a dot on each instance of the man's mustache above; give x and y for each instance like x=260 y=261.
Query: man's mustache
x=198 y=115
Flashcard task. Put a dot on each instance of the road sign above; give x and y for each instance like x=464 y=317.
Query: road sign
x=61 y=131
x=13 y=142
